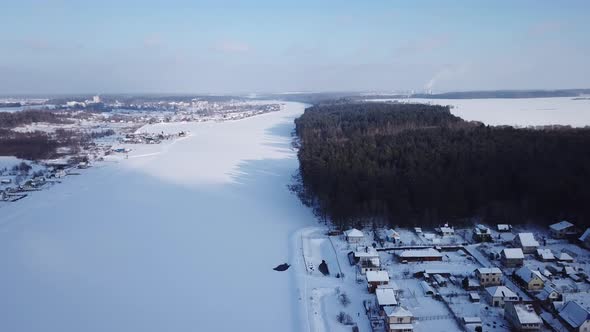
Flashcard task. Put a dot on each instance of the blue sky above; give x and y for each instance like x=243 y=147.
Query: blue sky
x=62 y=46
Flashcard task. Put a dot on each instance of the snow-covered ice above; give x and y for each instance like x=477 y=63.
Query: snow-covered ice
x=179 y=237
x=521 y=112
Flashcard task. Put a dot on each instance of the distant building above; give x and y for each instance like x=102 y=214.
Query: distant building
x=545 y=255
x=354 y=236
x=585 y=239
x=561 y=229
x=392 y=236
x=504 y=228
x=489 y=276
x=385 y=297
x=548 y=295
x=471 y=323
x=367 y=259
x=399 y=319
x=420 y=255
x=375 y=279
x=527 y=242
x=565 y=257
x=522 y=317
x=512 y=257
x=497 y=296
x=482 y=234
x=531 y=280
x=575 y=316
x=446 y=231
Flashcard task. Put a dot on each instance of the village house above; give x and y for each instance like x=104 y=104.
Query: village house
x=354 y=236
x=399 y=319
x=504 y=228
x=385 y=297
x=512 y=257
x=482 y=234
x=446 y=231
x=472 y=323
x=531 y=280
x=393 y=286
x=420 y=255
x=367 y=259
x=575 y=316
x=522 y=317
x=585 y=239
x=527 y=242
x=561 y=229
x=545 y=255
x=489 y=276
x=375 y=279
x=548 y=295
x=497 y=296
x=565 y=257
x=392 y=236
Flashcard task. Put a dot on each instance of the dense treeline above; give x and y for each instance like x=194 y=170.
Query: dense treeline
x=15 y=119
x=38 y=145
x=410 y=163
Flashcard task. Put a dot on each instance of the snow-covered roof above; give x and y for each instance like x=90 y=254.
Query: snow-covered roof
x=569 y=270
x=391 y=285
x=560 y=226
x=564 y=256
x=501 y=291
x=398 y=312
x=503 y=227
x=472 y=320
x=426 y=287
x=385 y=296
x=430 y=252
x=527 y=240
x=545 y=292
x=474 y=295
x=585 y=236
x=574 y=314
x=447 y=230
x=392 y=233
x=526 y=315
x=377 y=276
x=354 y=233
x=400 y=327
x=545 y=254
x=513 y=253
x=488 y=270
x=366 y=252
x=527 y=274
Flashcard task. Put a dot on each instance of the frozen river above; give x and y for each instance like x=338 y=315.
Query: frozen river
x=179 y=237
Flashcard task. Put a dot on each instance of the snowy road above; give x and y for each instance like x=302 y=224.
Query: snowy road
x=182 y=239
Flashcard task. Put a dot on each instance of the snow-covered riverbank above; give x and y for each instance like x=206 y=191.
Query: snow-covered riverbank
x=178 y=237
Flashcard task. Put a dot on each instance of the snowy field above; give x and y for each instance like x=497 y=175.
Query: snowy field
x=178 y=237
x=518 y=112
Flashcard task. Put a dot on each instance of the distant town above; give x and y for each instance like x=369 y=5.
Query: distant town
x=48 y=139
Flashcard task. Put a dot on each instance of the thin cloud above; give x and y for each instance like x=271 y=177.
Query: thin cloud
x=153 y=41
x=545 y=28
x=422 y=46
x=232 y=46
x=43 y=45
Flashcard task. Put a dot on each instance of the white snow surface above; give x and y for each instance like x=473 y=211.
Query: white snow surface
x=517 y=111
x=179 y=237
